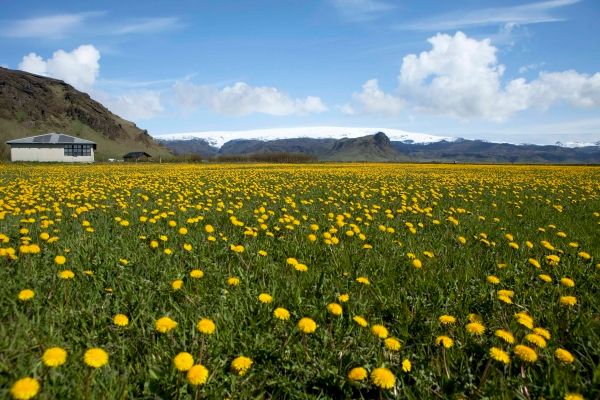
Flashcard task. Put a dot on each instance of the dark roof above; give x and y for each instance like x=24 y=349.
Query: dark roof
x=136 y=154
x=51 y=138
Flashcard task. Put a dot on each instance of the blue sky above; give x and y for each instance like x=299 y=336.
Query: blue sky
x=496 y=70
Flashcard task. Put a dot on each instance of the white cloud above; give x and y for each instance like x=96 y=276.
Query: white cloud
x=531 y=13
x=360 y=10
x=242 y=99
x=48 y=26
x=79 y=67
x=135 y=105
x=372 y=100
x=461 y=77
x=148 y=25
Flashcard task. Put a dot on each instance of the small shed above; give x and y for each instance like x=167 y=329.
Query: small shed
x=137 y=156
x=52 y=147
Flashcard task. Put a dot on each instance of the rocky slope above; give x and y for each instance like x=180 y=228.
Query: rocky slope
x=32 y=104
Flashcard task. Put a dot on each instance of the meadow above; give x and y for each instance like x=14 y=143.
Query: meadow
x=299 y=281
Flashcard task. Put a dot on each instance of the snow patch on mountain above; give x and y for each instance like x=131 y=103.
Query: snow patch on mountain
x=219 y=138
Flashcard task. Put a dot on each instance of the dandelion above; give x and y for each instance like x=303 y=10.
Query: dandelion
x=494 y=280
x=534 y=262
x=568 y=301
x=183 y=361
x=177 y=284
x=447 y=319
x=383 y=378
x=233 y=281
x=334 y=309
x=357 y=374
x=209 y=228
x=343 y=298
x=196 y=274
x=392 y=344
x=445 y=341
x=475 y=328
x=281 y=313
x=417 y=263
x=307 y=325
x=265 y=298
x=165 y=324
x=568 y=282
x=54 y=357
x=542 y=332
x=300 y=267
x=584 y=256
x=499 y=355
x=60 y=260
x=121 y=320
x=95 y=357
x=573 y=396
x=505 y=335
x=564 y=356
x=406 y=365
x=363 y=280
x=241 y=365
x=380 y=331
x=26 y=294
x=525 y=353
x=361 y=321
x=545 y=278
x=197 y=375
x=25 y=388
x=206 y=326
x=66 y=274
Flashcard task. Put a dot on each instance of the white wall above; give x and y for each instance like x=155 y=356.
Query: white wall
x=45 y=153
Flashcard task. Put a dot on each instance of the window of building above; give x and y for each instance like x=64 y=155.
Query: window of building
x=78 y=150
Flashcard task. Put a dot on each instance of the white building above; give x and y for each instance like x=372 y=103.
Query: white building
x=52 y=147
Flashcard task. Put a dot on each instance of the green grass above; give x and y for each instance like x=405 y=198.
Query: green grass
x=77 y=314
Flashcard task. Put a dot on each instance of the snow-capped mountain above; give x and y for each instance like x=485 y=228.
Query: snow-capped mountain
x=218 y=138
x=577 y=144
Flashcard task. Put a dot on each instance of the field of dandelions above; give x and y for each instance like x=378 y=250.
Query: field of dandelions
x=315 y=281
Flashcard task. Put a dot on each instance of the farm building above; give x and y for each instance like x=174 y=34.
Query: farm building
x=52 y=147
x=136 y=156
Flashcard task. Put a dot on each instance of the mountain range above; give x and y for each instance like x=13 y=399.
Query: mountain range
x=32 y=104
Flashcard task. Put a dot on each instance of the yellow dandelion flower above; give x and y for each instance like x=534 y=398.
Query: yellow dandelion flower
x=360 y=321
x=573 y=396
x=446 y=319
x=233 y=281
x=534 y=262
x=281 y=313
x=196 y=273
x=60 y=260
x=475 y=328
x=507 y=293
x=183 y=361
x=121 y=320
x=568 y=282
x=334 y=309
x=357 y=374
x=380 y=331
x=542 y=332
x=383 y=378
x=241 y=365
x=564 y=356
x=406 y=365
x=499 y=355
x=197 y=375
x=505 y=299
x=568 y=301
x=177 y=284
x=545 y=278
x=392 y=344
x=505 y=335
x=165 y=324
x=206 y=326
x=417 y=263
x=584 y=256
x=300 y=267
x=95 y=357
x=26 y=294
x=363 y=280
x=493 y=279
x=54 y=356
x=307 y=325
x=445 y=341
x=343 y=298
x=209 y=228
x=525 y=353
x=25 y=388
x=66 y=274
x=265 y=298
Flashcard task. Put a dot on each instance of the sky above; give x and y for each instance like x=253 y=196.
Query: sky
x=522 y=72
